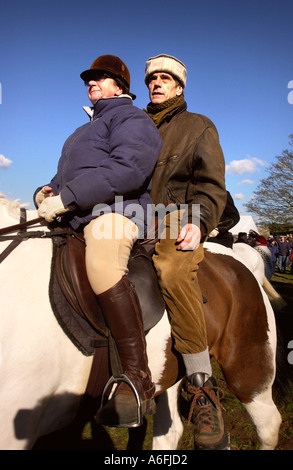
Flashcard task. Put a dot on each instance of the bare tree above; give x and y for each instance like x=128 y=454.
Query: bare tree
x=273 y=197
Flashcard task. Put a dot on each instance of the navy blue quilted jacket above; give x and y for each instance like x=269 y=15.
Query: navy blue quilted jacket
x=112 y=155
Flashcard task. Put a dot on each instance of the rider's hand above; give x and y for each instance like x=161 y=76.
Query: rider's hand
x=189 y=237
x=51 y=207
x=46 y=191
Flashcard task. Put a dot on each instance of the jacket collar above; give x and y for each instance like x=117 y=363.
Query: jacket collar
x=105 y=103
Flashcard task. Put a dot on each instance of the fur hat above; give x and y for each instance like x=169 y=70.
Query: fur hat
x=166 y=63
x=109 y=64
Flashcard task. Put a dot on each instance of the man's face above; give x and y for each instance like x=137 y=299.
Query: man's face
x=102 y=87
x=162 y=87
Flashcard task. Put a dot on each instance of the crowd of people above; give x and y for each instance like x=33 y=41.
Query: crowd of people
x=277 y=251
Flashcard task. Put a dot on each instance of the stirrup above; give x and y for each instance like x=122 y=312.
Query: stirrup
x=124 y=378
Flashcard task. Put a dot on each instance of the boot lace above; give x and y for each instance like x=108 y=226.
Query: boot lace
x=205 y=412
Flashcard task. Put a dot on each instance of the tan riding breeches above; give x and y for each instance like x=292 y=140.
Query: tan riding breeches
x=109 y=240
x=177 y=275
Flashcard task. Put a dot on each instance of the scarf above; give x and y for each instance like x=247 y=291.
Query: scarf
x=159 y=111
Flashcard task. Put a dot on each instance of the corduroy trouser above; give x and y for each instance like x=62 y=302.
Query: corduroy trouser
x=177 y=275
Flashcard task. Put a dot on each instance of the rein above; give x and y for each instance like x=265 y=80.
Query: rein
x=25 y=235
x=23 y=223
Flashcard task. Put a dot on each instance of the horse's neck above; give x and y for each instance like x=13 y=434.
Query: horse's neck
x=31 y=214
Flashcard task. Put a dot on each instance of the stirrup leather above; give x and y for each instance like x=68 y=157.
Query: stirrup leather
x=124 y=378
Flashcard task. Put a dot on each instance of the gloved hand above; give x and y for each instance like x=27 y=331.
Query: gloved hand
x=42 y=194
x=51 y=207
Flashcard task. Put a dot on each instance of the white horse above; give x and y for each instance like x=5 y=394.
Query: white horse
x=255 y=263
x=44 y=376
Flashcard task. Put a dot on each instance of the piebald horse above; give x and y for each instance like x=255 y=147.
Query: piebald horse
x=44 y=376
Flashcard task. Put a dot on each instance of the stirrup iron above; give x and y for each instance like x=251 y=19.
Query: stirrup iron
x=124 y=378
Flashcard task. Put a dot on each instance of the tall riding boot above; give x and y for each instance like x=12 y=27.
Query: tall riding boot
x=122 y=314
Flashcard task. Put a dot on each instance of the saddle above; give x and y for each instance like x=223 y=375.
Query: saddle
x=78 y=312
x=76 y=306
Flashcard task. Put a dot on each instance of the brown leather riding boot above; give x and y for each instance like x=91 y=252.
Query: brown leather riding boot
x=133 y=398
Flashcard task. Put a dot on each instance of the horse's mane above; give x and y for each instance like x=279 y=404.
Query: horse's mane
x=14 y=202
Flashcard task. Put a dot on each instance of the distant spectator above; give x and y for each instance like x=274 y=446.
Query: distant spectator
x=253 y=233
x=242 y=237
x=284 y=253
x=273 y=247
x=251 y=238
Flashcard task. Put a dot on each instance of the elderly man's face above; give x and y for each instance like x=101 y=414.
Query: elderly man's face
x=162 y=87
x=102 y=87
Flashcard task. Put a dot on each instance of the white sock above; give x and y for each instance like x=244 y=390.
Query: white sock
x=199 y=362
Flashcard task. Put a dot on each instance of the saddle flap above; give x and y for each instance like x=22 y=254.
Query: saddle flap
x=73 y=280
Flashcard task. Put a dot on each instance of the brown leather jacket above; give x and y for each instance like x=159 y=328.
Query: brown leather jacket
x=191 y=167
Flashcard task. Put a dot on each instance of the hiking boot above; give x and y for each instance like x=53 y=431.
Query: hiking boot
x=206 y=413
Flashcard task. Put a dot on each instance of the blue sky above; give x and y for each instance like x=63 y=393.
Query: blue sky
x=239 y=63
